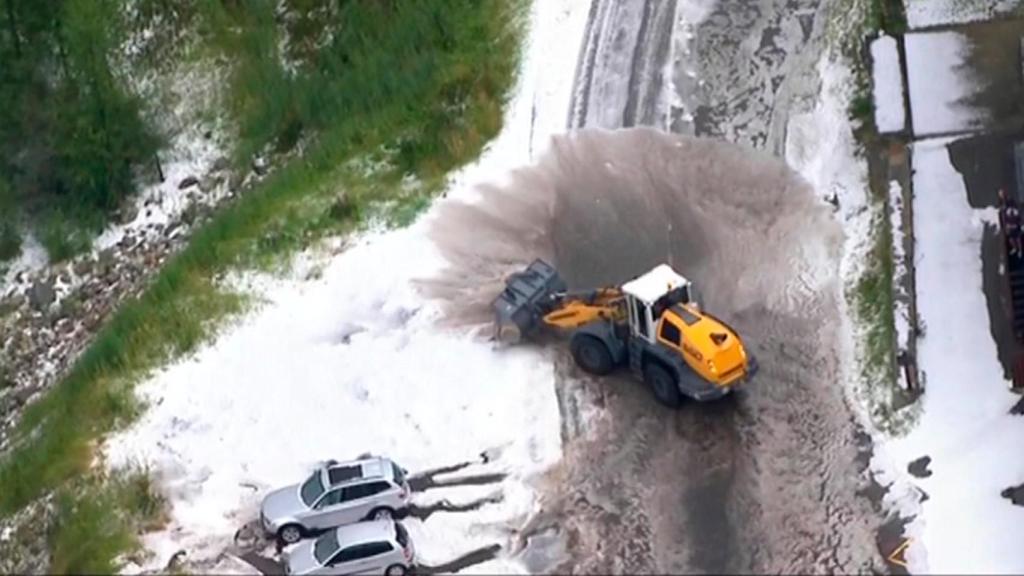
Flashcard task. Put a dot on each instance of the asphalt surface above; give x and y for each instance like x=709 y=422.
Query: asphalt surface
x=766 y=481
x=772 y=479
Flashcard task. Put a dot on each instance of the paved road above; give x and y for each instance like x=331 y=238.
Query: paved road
x=765 y=481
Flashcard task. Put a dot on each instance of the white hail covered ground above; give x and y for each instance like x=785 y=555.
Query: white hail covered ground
x=352 y=362
x=922 y=13
x=888 y=85
x=964 y=525
x=939 y=88
x=965 y=426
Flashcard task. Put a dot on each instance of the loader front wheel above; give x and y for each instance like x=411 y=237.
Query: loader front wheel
x=663 y=384
x=591 y=355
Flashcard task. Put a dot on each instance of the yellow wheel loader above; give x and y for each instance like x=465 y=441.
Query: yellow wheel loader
x=651 y=323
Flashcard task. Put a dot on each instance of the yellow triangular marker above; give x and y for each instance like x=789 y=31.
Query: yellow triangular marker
x=895 y=556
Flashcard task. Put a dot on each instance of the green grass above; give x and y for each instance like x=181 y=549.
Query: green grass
x=98 y=518
x=889 y=405
x=10 y=242
x=424 y=80
x=875 y=300
x=887 y=16
x=872 y=293
x=64 y=236
x=862 y=107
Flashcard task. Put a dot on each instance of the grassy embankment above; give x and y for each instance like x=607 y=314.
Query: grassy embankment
x=419 y=85
x=872 y=295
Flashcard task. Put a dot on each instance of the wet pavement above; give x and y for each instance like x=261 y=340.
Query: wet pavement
x=763 y=481
x=757 y=59
x=774 y=478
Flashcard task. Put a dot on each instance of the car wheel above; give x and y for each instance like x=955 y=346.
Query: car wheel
x=290 y=534
x=591 y=355
x=663 y=384
x=382 y=514
x=395 y=570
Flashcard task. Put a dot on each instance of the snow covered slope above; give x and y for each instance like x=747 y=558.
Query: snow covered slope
x=353 y=362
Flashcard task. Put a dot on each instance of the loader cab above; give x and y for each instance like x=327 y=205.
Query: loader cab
x=649 y=295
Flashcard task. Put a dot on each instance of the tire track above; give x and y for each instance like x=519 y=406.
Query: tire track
x=755 y=57
x=764 y=481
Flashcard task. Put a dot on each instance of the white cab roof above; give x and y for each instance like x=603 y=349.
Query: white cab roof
x=654 y=284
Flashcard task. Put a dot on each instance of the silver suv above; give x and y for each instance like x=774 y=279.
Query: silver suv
x=334 y=495
x=375 y=547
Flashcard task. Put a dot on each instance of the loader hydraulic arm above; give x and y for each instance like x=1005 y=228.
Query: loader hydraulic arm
x=576 y=309
x=538 y=298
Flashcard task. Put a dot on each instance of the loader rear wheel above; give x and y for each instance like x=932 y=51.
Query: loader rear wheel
x=663 y=384
x=591 y=355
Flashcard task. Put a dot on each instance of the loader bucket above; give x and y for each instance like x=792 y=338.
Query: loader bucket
x=520 y=305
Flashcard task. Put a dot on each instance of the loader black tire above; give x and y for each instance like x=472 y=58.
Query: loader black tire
x=591 y=355
x=663 y=384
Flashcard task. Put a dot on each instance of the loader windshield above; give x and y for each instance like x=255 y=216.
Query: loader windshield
x=680 y=295
x=687 y=316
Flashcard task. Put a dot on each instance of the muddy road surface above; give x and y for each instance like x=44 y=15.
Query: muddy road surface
x=764 y=481
x=730 y=69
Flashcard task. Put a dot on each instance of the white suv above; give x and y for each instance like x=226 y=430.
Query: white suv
x=375 y=547
x=334 y=495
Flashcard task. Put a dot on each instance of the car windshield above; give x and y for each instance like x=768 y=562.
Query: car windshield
x=325 y=547
x=312 y=489
x=399 y=475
